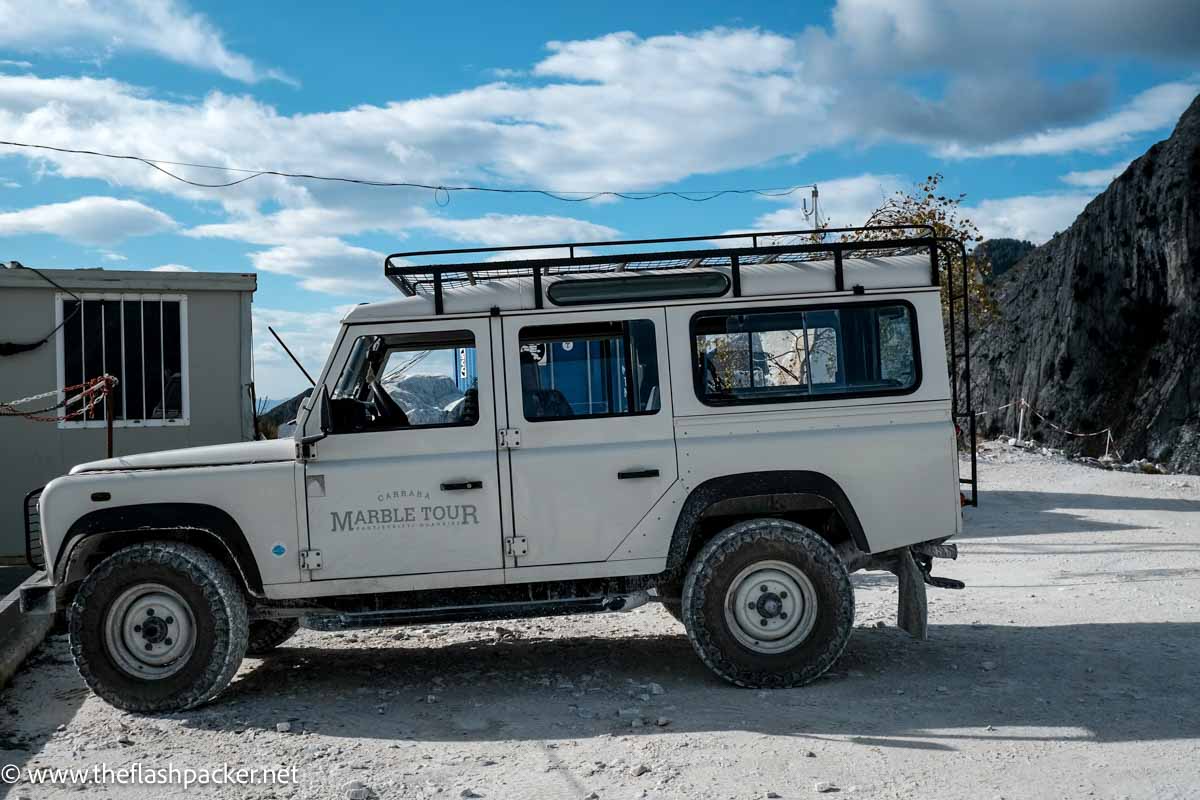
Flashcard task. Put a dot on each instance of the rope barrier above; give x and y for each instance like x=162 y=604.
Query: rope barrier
x=1109 y=445
x=90 y=393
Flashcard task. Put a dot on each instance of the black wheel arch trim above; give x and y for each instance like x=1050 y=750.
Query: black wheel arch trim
x=750 y=484
x=197 y=518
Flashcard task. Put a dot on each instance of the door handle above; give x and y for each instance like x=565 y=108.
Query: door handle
x=637 y=473
x=458 y=487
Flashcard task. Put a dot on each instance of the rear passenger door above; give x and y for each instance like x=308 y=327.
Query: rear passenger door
x=590 y=400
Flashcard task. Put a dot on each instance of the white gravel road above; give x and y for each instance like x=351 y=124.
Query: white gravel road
x=1068 y=668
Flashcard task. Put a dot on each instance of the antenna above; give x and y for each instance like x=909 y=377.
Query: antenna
x=295 y=360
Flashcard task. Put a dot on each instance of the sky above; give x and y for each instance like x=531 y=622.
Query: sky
x=1028 y=107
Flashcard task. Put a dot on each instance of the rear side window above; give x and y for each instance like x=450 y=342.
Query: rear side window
x=601 y=369
x=785 y=355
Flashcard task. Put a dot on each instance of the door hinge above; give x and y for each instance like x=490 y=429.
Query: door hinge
x=516 y=546
x=509 y=437
x=310 y=559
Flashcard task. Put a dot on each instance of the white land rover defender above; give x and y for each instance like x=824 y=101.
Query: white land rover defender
x=730 y=425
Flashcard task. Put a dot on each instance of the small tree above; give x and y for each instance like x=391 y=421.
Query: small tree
x=924 y=204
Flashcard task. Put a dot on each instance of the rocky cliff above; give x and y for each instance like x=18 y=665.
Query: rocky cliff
x=1100 y=326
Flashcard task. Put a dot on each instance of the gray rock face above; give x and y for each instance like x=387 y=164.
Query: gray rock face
x=1100 y=326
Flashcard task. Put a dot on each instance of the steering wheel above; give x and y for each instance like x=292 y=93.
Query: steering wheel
x=387 y=410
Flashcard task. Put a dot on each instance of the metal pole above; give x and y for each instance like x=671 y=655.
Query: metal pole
x=1021 y=422
x=108 y=415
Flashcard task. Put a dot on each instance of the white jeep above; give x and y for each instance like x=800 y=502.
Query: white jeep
x=727 y=425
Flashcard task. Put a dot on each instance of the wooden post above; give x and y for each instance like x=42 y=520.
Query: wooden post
x=1021 y=421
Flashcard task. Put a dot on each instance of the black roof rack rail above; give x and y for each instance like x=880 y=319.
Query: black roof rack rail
x=467 y=267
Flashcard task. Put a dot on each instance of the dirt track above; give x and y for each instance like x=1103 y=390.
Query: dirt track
x=1068 y=668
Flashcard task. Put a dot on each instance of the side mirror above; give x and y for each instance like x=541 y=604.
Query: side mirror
x=323 y=417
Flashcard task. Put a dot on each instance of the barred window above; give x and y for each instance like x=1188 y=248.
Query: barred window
x=141 y=340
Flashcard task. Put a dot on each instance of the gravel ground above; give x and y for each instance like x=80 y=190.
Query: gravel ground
x=1068 y=668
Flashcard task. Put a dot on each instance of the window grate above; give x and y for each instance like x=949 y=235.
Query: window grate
x=141 y=339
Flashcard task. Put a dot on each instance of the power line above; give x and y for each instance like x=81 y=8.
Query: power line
x=694 y=196
x=12 y=348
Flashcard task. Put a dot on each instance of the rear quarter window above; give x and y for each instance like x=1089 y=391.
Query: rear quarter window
x=749 y=356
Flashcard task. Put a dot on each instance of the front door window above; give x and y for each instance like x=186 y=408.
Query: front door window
x=407 y=381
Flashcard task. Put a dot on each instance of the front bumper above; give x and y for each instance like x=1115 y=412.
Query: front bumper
x=38 y=595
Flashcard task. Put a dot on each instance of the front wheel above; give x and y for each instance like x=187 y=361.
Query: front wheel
x=768 y=604
x=159 y=626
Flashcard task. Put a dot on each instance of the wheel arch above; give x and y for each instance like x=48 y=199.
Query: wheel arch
x=99 y=533
x=764 y=493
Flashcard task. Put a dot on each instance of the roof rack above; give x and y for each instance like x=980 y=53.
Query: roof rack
x=469 y=267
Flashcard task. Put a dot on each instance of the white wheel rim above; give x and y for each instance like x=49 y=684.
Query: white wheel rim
x=771 y=607
x=150 y=631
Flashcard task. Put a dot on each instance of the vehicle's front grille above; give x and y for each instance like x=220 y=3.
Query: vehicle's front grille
x=34 y=553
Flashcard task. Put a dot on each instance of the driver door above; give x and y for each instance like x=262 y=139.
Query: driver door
x=407 y=483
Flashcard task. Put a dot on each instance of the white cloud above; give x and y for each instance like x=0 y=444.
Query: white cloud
x=326 y=264
x=109 y=255
x=1095 y=178
x=1032 y=217
x=8 y=62
x=307 y=244
x=501 y=230
x=172 y=268
x=165 y=28
x=89 y=220
x=7 y=184
x=1148 y=111
x=983 y=34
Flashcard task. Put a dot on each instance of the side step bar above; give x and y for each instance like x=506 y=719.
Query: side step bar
x=350 y=620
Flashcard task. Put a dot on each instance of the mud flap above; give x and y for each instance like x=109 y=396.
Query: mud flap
x=912 y=613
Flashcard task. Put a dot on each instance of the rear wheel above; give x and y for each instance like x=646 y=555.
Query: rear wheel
x=267 y=634
x=768 y=603
x=159 y=626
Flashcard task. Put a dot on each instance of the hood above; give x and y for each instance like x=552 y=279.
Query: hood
x=211 y=456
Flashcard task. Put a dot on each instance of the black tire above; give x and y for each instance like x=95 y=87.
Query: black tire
x=820 y=576
x=214 y=612
x=267 y=634
x=670 y=596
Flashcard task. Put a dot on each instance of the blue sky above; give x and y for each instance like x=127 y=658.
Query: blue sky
x=1028 y=107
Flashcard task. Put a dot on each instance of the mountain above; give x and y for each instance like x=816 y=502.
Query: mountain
x=1100 y=326
x=287 y=410
x=1002 y=254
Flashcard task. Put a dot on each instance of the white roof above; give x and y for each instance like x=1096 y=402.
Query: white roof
x=128 y=280
x=758 y=280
